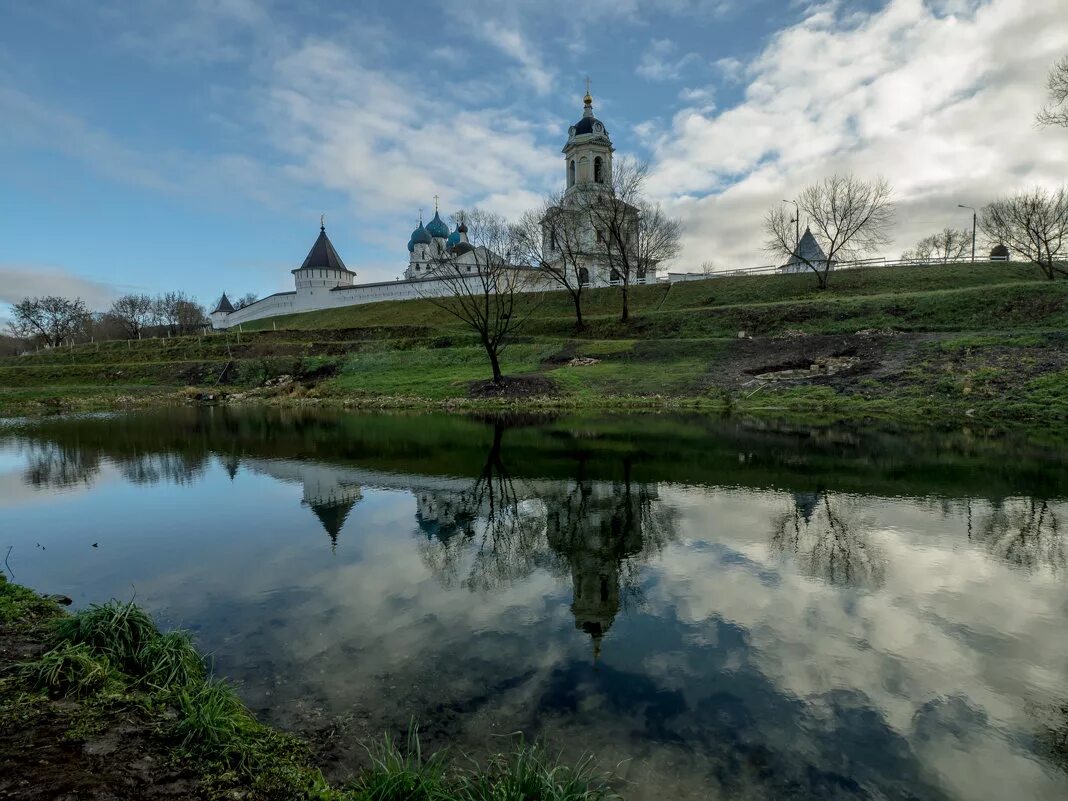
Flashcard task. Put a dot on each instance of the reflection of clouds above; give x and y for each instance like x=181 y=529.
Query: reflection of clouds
x=754 y=666
x=945 y=620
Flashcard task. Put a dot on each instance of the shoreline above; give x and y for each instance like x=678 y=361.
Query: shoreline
x=811 y=404
x=101 y=701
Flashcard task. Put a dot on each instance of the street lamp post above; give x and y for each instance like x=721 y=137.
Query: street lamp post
x=797 y=225
x=975 y=215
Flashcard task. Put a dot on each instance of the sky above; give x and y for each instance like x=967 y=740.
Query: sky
x=160 y=145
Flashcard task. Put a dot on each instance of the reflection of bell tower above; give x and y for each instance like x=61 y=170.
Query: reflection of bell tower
x=596 y=528
x=595 y=583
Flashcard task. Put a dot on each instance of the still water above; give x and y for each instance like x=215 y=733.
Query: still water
x=716 y=609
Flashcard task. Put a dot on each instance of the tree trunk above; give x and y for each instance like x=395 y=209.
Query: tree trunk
x=578 y=310
x=625 y=316
x=498 y=377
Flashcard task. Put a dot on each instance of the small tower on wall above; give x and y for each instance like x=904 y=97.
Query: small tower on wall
x=588 y=152
x=224 y=308
x=323 y=268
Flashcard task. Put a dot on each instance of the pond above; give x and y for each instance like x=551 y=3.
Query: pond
x=713 y=608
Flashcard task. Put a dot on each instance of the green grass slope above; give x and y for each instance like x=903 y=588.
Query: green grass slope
x=987 y=339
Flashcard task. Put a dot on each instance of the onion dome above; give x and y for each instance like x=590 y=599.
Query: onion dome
x=589 y=124
x=454 y=239
x=420 y=236
x=437 y=228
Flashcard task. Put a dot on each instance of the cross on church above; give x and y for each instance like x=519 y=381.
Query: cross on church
x=435 y=204
x=587 y=84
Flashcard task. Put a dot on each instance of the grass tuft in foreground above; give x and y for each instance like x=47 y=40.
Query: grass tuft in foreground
x=71 y=670
x=397 y=775
x=119 y=631
x=530 y=772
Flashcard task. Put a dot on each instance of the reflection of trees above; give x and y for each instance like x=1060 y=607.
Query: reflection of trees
x=829 y=540
x=599 y=532
x=1025 y=533
x=505 y=532
x=51 y=464
x=152 y=468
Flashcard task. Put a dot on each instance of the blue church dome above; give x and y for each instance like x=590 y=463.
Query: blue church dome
x=420 y=236
x=454 y=238
x=437 y=228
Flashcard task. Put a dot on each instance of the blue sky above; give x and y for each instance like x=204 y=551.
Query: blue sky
x=155 y=145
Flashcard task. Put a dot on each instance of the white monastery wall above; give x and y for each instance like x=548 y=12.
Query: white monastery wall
x=309 y=299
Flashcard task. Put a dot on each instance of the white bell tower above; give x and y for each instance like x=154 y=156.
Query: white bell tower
x=588 y=152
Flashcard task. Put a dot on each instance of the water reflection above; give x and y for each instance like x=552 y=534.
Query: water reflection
x=1025 y=532
x=828 y=536
x=735 y=610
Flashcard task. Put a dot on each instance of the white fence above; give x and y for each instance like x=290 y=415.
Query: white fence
x=771 y=269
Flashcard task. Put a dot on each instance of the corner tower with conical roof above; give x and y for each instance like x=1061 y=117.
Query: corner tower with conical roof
x=588 y=151
x=323 y=268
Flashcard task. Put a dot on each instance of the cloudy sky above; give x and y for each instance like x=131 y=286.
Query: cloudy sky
x=192 y=145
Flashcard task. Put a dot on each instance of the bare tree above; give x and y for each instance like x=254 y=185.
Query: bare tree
x=245 y=300
x=134 y=313
x=189 y=315
x=53 y=319
x=553 y=240
x=848 y=217
x=482 y=286
x=178 y=312
x=1034 y=224
x=947 y=245
x=631 y=235
x=1055 y=112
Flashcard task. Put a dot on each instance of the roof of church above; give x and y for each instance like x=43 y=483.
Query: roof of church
x=588 y=124
x=224 y=305
x=437 y=227
x=419 y=236
x=323 y=254
x=808 y=249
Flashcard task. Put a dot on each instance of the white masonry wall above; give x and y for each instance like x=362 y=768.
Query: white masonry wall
x=304 y=300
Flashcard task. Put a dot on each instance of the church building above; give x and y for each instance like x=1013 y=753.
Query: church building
x=323 y=281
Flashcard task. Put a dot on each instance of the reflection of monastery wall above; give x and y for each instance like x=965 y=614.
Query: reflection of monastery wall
x=594 y=526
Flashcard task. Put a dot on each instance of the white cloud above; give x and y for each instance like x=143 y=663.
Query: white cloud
x=20 y=281
x=732 y=69
x=941 y=104
x=660 y=62
x=508 y=39
x=390 y=147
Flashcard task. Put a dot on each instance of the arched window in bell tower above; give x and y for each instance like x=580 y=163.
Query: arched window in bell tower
x=598 y=170
x=571 y=173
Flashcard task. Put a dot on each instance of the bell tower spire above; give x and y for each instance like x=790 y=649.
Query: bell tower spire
x=588 y=152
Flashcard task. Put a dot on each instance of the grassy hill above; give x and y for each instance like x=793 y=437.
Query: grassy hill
x=986 y=341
